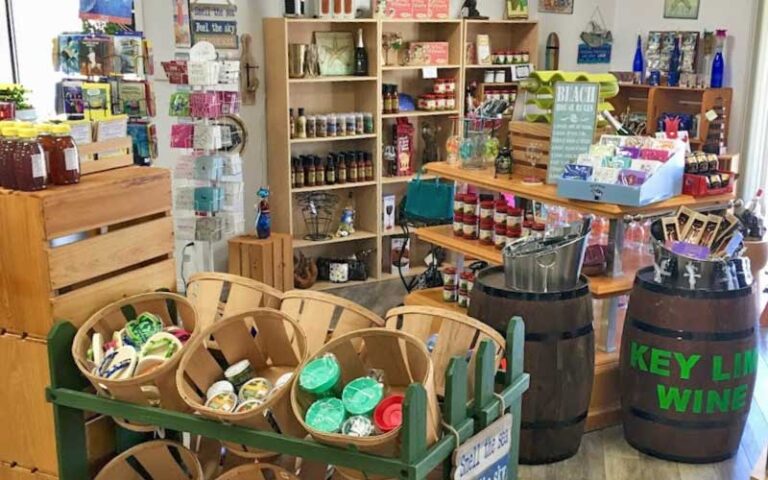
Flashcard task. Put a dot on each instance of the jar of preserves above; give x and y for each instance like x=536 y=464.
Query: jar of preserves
x=486 y=210
x=450 y=101
x=29 y=162
x=513 y=233
x=469 y=227
x=500 y=212
x=450 y=85
x=7 y=148
x=537 y=230
x=439 y=85
x=514 y=217
x=486 y=231
x=64 y=160
x=525 y=57
x=458 y=225
x=470 y=204
x=527 y=228
x=458 y=204
x=500 y=236
x=449 y=277
x=439 y=101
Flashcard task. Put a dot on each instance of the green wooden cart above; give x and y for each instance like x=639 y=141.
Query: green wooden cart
x=495 y=392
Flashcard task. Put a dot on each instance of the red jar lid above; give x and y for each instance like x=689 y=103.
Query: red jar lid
x=501 y=229
x=528 y=224
x=486 y=223
x=539 y=227
x=459 y=197
x=470 y=198
x=458 y=217
x=389 y=413
x=449 y=270
x=515 y=212
x=469 y=218
x=487 y=204
x=501 y=204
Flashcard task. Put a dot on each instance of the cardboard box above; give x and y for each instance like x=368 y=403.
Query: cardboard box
x=439 y=9
x=420 y=9
x=399 y=9
x=388 y=211
x=428 y=53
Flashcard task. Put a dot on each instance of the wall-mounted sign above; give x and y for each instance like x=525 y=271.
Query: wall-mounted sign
x=597 y=41
x=215 y=23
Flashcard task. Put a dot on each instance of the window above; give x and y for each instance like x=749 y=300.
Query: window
x=6 y=68
x=35 y=31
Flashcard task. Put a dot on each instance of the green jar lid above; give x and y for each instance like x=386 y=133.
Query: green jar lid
x=320 y=375
x=326 y=415
x=361 y=395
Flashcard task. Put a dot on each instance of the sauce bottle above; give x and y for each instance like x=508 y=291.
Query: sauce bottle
x=352 y=167
x=63 y=160
x=319 y=171
x=368 y=167
x=341 y=168
x=330 y=170
x=29 y=162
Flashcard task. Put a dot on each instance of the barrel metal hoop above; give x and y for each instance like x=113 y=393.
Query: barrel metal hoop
x=553 y=424
x=673 y=291
x=532 y=296
x=685 y=424
x=692 y=336
x=555 y=336
x=680 y=458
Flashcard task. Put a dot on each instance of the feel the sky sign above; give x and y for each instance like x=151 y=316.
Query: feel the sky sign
x=574 y=116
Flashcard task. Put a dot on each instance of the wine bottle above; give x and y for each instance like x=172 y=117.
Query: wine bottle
x=638 y=68
x=718 y=64
x=620 y=129
x=361 y=56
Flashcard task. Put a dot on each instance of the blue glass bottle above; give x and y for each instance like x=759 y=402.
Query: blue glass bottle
x=718 y=63
x=638 y=64
x=263 y=217
x=674 y=66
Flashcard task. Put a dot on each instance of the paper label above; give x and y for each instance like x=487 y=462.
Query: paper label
x=71 y=160
x=428 y=73
x=711 y=115
x=38 y=166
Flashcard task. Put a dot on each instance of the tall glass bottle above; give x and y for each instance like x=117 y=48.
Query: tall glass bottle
x=638 y=65
x=674 y=65
x=718 y=63
x=361 y=56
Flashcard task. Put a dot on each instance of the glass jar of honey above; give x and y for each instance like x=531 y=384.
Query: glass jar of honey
x=64 y=160
x=29 y=162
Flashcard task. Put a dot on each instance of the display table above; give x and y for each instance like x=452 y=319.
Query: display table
x=604 y=408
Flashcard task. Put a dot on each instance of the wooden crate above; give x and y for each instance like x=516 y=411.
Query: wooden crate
x=27 y=418
x=523 y=135
x=269 y=261
x=101 y=156
x=67 y=251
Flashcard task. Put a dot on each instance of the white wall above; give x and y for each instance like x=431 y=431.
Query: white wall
x=642 y=16
x=626 y=18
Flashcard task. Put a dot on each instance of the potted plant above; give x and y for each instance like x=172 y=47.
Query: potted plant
x=17 y=95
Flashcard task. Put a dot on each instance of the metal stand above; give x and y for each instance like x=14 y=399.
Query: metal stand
x=416 y=460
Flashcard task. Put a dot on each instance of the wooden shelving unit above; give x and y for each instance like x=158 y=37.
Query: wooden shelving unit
x=653 y=101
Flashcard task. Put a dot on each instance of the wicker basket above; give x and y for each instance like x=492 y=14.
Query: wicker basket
x=258 y=471
x=157 y=460
x=274 y=344
x=220 y=295
x=156 y=387
x=457 y=334
x=325 y=317
x=403 y=358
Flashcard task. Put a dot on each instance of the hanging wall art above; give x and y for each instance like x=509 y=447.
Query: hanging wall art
x=556 y=6
x=596 y=41
x=685 y=9
x=215 y=23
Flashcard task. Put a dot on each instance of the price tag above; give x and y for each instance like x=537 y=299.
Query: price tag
x=430 y=72
x=711 y=115
x=486 y=455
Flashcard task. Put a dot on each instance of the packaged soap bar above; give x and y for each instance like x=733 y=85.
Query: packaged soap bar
x=631 y=152
x=655 y=154
x=612 y=140
x=602 y=150
x=647 y=166
x=699 y=252
x=577 y=172
x=591 y=160
x=606 y=175
x=617 y=162
x=632 y=178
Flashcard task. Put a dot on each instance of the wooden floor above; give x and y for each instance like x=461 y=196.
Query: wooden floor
x=605 y=455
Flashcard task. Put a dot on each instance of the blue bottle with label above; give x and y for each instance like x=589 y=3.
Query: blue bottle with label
x=674 y=65
x=263 y=217
x=718 y=63
x=638 y=65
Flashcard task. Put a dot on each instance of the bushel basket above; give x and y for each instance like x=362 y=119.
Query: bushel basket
x=157 y=460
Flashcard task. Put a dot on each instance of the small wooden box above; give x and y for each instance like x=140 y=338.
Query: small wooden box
x=68 y=251
x=101 y=156
x=527 y=139
x=27 y=418
x=268 y=261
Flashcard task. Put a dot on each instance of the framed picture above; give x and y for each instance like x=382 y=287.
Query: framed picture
x=517 y=8
x=215 y=23
x=336 y=52
x=556 y=6
x=685 y=9
x=181 y=30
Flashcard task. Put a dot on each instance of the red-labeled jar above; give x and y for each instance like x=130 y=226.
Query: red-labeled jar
x=486 y=231
x=470 y=204
x=500 y=212
x=527 y=228
x=537 y=230
x=513 y=233
x=514 y=217
x=486 y=210
x=458 y=204
x=469 y=228
x=458 y=225
x=500 y=237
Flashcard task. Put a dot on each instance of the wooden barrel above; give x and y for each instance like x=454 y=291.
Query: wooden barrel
x=559 y=356
x=688 y=367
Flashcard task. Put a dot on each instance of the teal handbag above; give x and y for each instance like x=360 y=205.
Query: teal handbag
x=429 y=201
